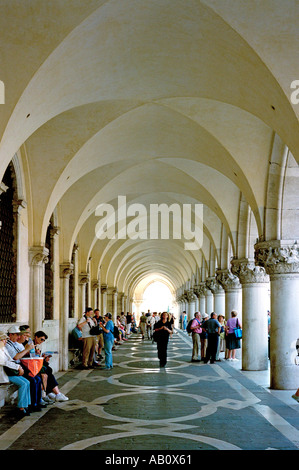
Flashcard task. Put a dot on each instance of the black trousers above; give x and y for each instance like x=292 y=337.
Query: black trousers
x=213 y=339
x=162 y=351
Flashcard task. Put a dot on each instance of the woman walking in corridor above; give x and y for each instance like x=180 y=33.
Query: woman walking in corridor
x=162 y=331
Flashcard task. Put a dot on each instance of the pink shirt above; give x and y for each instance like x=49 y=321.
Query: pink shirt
x=196 y=324
x=232 y=324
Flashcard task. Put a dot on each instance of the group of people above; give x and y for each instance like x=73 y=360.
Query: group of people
x=213 y=335
x=148 y=321
x=35 y=391
x=101 y=333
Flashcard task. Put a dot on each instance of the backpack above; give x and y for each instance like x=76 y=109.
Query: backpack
x=188 y=328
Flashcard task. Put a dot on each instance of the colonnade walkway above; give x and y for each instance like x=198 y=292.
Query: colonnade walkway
x=137 y=406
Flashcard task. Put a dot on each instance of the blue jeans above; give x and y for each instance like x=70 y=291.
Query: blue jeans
x=108 y=345
x=23 y=384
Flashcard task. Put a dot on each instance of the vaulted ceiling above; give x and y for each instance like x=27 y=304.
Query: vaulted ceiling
x=164 y=101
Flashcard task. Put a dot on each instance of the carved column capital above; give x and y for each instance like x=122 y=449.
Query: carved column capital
x=66 y=270
x=38 y=255
x=95 y=284
x=278 y=256
x=201 y=289
x=104 y=288
x=213 y=285
x=190 y=295
x=228 y=280
x=246 y=270
x=83 y=278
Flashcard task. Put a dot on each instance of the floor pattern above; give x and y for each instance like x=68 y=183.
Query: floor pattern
x=138 y=406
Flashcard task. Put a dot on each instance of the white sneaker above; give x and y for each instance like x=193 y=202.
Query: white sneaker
x=235 y=359
x=52 y=396
x=61 y=397
x=48 y=400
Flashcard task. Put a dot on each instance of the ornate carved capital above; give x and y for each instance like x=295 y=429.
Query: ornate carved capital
x=228 y=280
x=248 y=272
x=95 y=284
x=278 y=256
x=190 y=295
x=38 y=255
x=83 y=278
x=200 y=290
x=104 y=288
x=66 y=270
x=213 y=285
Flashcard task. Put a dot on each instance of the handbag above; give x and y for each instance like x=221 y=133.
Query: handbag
x=238 y=331
x=95 y=330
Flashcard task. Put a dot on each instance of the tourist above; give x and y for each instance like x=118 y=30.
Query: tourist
x=212 y=327
x=50 y=384
x=16 y=372
x=196 y=331
x=89 y=340
x=221 y=342
x=108 y=329
x=162 y=332
x=17 y=351
x=232 y=343
x=142 y=324
x=150 y=322
x=203 y=339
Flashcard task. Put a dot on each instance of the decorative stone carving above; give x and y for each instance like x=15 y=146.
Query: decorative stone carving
x=95 y=284
x=278 y=256
x=201 y=290
x=38 y=256
x=228 y=280
x=104 y=288
x=66 y=270
x=190 y=295
x=213 y=285
x=248 y=272
x=83 y=278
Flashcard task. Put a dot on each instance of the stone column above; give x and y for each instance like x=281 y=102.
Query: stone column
x=281 y=261
x=233 y=297
x=18 y=205
x=38 y=256
x=114 y=304
x=255 y=283
x=66 y=269
x=219 y=295
x=191 y=299
x=209 y=301
x=200 y=291
x=95 y=289
x=233 y=293
x=83 y=280
x=104 y=290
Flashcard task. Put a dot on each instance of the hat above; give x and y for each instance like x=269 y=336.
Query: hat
x=205 y=315
x=14 y=329
x=3 y=336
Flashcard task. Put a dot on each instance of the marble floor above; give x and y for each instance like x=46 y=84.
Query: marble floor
x=137 y=406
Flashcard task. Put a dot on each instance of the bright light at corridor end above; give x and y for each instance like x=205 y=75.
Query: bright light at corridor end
x=157 y=297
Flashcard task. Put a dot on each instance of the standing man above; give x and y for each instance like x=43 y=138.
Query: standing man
x=129 y=321
x=213 y=328
x=196 y=330
x=89 y=341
